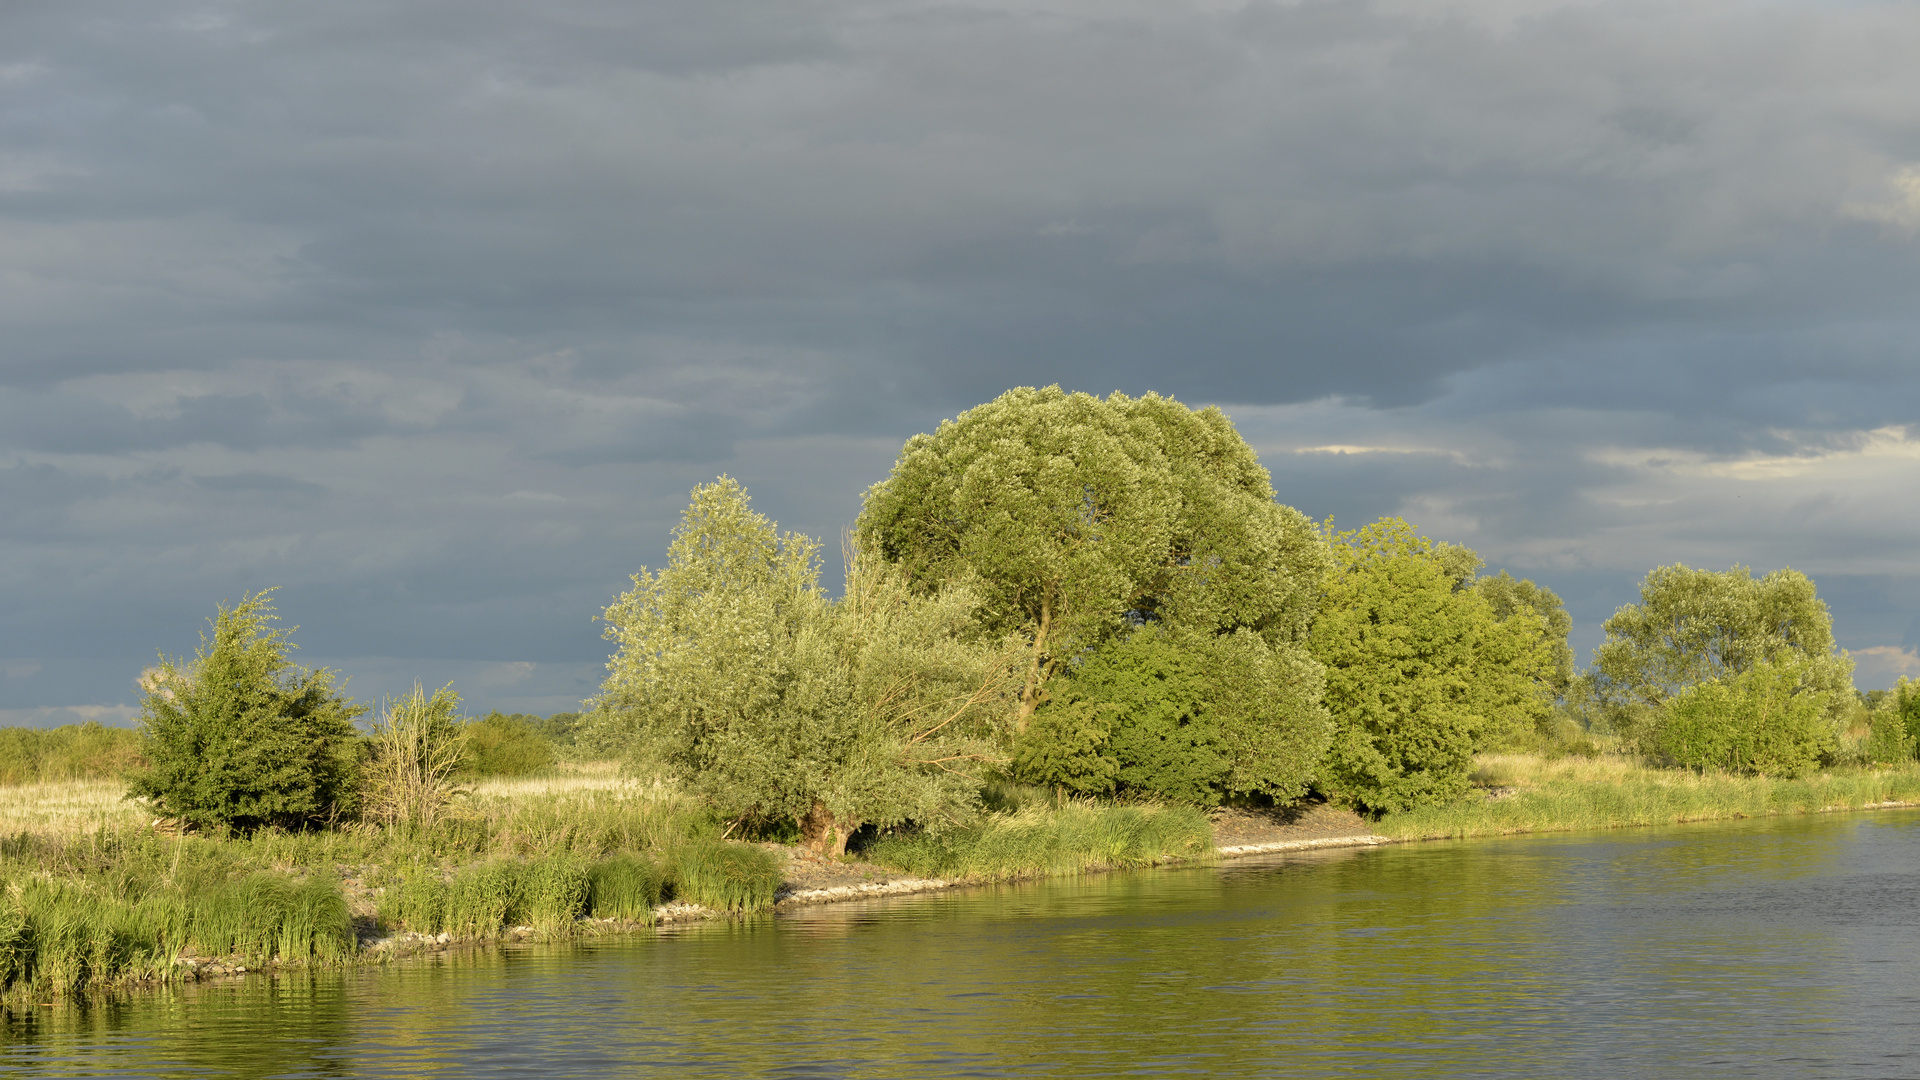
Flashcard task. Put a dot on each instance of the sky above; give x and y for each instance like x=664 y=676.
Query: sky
x=431 y=314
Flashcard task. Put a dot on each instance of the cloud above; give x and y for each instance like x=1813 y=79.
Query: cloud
x=433 y=314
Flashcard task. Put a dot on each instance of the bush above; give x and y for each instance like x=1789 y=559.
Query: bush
x=500 y=744
x=240 y=738
x=1762 y=720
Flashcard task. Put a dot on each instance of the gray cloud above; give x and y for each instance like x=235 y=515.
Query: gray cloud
x=432 y=314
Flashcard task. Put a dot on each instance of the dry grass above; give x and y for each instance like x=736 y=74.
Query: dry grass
x=564 y=779
x=69 y=807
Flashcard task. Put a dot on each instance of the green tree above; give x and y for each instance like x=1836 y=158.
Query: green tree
x=1766 y=718
x=737 y=674
x=1695 y=625
x=1509 y=596
x=1193 y=717
x=238 y=737
x=1078 y=518
x=1422 y=667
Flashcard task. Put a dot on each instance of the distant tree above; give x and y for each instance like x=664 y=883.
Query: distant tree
x=1692 y=626
x=739 y=676
x=503 y=744
x=1078 y=519
x=1766 y=718
x=238 y=737
x=1508 y=596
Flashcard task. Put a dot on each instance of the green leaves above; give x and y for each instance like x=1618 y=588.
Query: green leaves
x=736 y=674
x=239 y=737
x=1693 y=626
x=1765 y=719
x=1421 y=667
x=1075 y=516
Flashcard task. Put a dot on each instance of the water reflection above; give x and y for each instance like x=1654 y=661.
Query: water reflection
x=1785 y=947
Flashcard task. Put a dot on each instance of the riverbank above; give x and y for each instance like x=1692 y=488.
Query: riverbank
x=100 y=896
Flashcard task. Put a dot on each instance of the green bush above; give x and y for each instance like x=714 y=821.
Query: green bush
x=1888 y=742
x=1763 y=720
x=722 y=875
x=240 y=738
x=89 y=751
x=500 y=744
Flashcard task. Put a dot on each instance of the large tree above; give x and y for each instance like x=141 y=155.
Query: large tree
x=738 y=674
x=1692 y=626
x=1079 y=518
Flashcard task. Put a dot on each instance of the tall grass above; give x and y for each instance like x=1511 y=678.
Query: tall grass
x=626 y=887
x=89 y=751
x=1043 y=839
x=1536 y=794
x=723 y=876
x=61 y=935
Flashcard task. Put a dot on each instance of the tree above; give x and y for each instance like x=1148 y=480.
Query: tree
x=1077 y=519
x=1695 y=625
x=736 y=673
x=238 y=737
x=1398 y=643
x=1193 y=717
x=1522 y=662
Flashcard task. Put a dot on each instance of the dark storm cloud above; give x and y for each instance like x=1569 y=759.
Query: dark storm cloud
x=432 y=313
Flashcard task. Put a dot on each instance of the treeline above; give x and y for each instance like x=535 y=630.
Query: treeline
x=1099 y=596
x=1106 y=596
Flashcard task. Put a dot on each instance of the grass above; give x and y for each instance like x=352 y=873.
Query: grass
x=1531 y=793
x=1042 y=838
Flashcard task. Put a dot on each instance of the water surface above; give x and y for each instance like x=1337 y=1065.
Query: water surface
x=1783 y=947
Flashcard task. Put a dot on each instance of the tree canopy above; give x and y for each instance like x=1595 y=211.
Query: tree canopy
x=1695 y=625
x=1078 y=518
x=738 y=674
x=1422 y=668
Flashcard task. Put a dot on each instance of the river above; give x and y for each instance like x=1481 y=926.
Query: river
x=1779 y=947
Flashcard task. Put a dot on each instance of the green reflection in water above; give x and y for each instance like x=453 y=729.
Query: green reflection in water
x=1785 y=947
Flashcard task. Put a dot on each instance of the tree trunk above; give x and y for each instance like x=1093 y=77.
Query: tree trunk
x=823 y=833
x=1030 y=693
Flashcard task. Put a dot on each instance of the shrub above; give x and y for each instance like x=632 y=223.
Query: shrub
x=506 y=745
x=415 y=749
x=1888 y=742
x=1762 y=720
x=240 y=738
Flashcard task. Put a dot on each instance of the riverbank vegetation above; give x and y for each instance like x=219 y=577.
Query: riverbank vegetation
x=1069 y=626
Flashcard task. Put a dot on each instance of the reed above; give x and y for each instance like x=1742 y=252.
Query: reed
x=626 y=887
x=1528 y=793
x=723 y=876
x=1067 y=838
